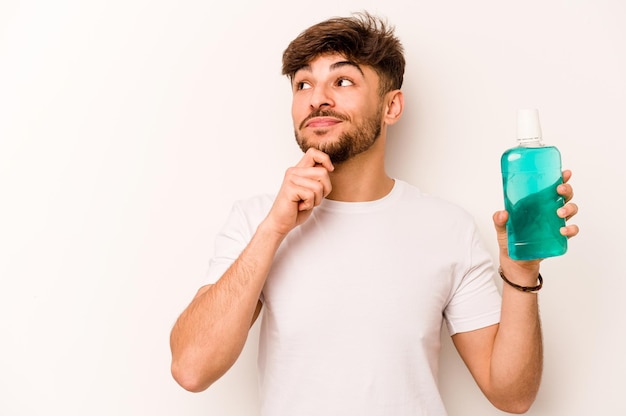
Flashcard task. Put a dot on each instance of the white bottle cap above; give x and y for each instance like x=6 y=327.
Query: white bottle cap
x=528 y=126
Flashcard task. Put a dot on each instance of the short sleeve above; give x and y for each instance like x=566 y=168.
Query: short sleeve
x=244 y=218
x=476 y=302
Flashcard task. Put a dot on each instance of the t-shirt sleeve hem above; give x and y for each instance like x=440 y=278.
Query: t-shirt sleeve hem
x=482 y=321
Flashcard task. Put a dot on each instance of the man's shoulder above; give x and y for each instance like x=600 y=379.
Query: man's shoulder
x=255 y=203
x=248 y=212
x=431 y=205
x=411 y=192
x=253 y=208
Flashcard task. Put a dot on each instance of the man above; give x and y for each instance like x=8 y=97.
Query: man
x=355 y=270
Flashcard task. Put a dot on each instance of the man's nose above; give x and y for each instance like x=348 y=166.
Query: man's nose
x=322 y=96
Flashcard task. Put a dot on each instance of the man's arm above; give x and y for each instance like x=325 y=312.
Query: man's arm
x=209 y=335
x=506 y=359
x=211 y=332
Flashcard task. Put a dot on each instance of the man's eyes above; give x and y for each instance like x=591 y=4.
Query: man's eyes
x=344 y=82
x=341 y=82
x=302 y=85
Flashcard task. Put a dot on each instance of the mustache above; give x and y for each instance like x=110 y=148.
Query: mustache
x=324 y=113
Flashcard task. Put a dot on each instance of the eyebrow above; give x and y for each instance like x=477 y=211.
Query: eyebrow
x=335 y=66
x=340 y=64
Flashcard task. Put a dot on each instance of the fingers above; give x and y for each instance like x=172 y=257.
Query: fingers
x=569 y=231
x=307 y=186
x=304 y=187
x=310 y=174
x=315 y=157
x=566 y=191
x=314 y=178
x=567 y=211
x=567 y=174
x=499 y=221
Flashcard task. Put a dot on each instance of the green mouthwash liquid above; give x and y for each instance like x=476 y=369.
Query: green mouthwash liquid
x=531 y=173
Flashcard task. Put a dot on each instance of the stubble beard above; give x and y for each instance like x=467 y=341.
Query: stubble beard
x=348 y=144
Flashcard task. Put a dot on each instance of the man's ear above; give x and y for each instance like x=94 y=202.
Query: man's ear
x=394 y=106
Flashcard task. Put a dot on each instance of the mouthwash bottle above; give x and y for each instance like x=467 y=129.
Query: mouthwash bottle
x=531 y=173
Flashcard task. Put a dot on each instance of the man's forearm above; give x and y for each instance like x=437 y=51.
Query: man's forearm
x=517 y=358
x=211 y=333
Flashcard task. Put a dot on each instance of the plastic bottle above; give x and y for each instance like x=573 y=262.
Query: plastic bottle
x=531 y=173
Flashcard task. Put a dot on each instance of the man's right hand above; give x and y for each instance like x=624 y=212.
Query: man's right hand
x=304 y=187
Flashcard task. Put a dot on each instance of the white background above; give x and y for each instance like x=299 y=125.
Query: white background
x=128 y=128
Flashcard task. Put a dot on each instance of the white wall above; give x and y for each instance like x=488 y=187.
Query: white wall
x=128 y=128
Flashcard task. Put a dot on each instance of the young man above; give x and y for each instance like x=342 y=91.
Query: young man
x=356 y=271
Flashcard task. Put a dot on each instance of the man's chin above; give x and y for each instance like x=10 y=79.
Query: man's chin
x=335 y=147
x=337 y=155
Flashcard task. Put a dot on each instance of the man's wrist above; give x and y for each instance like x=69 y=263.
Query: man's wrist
x=523 y=288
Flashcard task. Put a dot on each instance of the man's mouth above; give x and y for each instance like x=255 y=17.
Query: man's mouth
x=323 y=118
x=320 y=122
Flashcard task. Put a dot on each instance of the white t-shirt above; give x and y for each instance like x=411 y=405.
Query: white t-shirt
x=355 y=301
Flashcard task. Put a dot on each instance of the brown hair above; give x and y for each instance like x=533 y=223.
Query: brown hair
x=362 y=38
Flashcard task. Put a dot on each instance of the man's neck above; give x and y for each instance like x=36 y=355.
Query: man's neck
x=361 y=178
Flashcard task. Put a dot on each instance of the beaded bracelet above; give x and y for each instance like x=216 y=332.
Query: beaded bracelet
x=530 y=289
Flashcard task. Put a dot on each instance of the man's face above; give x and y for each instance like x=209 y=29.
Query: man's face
x=336 y=107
